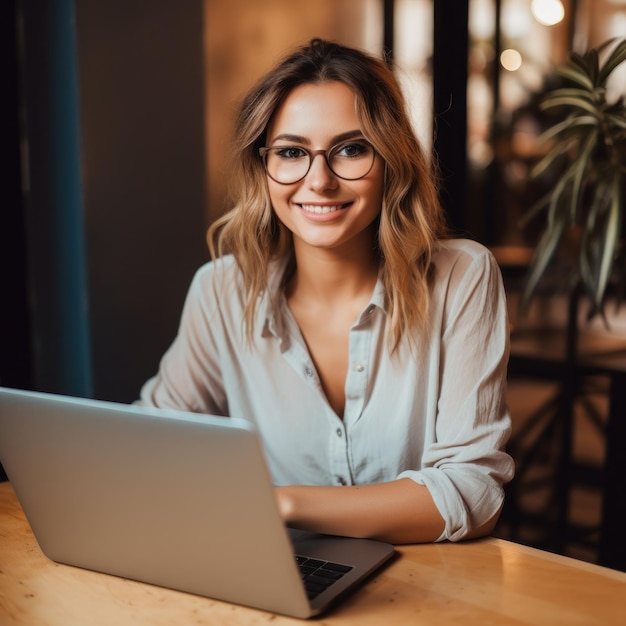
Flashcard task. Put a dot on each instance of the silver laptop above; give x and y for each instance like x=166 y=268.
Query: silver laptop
x=175 y=499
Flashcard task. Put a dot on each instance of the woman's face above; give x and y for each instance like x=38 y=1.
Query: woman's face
x=323 y=210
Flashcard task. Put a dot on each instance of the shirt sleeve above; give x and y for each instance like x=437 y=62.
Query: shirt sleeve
x=466 y=465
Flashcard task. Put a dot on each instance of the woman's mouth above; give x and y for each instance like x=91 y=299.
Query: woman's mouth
x=321 y=209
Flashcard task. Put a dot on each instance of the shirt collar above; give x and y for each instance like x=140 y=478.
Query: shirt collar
x=272 y=308
x=378 y=295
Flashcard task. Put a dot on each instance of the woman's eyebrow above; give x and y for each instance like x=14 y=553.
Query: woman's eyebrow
x=351 y=134
x=291 y=139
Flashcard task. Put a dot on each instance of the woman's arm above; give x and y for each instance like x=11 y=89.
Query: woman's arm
x=400 y=511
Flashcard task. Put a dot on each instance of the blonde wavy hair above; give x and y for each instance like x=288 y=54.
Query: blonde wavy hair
x=411 y=220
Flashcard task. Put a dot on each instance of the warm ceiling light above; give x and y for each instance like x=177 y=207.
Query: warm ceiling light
x=548 y=12
x=511 y=60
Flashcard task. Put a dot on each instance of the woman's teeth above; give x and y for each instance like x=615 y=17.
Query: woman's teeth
x=314 y=208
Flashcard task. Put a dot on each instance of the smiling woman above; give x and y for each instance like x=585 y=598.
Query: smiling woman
x=373 y=351
x=307 y=192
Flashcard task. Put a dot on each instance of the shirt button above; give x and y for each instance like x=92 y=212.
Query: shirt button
x=359 y=367
x=341 y=480
x=308 y=371
x=339 y=432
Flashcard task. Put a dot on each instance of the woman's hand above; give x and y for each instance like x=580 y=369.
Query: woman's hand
x=398 y=512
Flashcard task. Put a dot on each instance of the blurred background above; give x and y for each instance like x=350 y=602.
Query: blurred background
x=117 y=119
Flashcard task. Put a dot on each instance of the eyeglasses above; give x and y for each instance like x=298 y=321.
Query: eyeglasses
x=349 y=160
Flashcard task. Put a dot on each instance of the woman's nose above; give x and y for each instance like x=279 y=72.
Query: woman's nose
x=320 y=176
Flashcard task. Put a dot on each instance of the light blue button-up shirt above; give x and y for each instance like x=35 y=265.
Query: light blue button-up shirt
x=437 y=417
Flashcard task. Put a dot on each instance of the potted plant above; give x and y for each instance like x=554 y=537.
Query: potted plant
x=586 y=162
x=581 y=224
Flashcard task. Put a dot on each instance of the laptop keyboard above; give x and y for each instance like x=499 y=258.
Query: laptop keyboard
x=319 y=575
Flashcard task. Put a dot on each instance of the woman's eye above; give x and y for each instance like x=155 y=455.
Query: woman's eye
x=290 y=152
x=353 y=150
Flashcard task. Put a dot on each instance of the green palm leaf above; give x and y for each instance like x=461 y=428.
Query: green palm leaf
x=593 y=65
x=611 y=239
x=617 y=57
x=590 y=249
x=574 y=92
x=576 y=76
x=586 y=156
x=558 y=194
x=580 y=169
x=576 y=102
x=556 y=152
x=534 y=210
x=543 y=255
x=615 y=120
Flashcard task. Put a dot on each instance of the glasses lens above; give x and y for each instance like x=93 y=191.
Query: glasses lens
x=351 y=160
x=289 y=164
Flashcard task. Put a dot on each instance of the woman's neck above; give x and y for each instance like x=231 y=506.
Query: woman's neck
x=332 y=277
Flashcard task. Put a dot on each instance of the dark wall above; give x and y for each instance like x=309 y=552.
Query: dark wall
x=113 y=97
x=450 y=71
x=15 y=348
x=141 y=86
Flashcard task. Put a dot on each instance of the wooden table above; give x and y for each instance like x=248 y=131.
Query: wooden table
x=488 y=581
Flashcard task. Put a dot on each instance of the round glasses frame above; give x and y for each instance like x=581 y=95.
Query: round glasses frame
x=312 y=154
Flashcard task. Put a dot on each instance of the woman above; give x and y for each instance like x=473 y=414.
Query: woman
x=369 y=351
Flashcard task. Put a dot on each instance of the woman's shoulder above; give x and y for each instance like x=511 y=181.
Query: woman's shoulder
x=223 y=266
x=223 y=277
x=227 y=268
x=461 y=260
x=459 y=247
x=217 y=276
